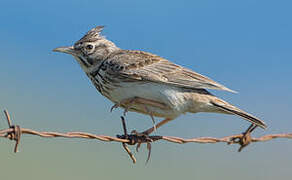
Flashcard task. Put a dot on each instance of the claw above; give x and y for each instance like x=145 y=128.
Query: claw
x=138 y=147
x=118 y=105
x=149 y=152
x=114 y=106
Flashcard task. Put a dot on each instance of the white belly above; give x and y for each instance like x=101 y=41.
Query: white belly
x=171 y=96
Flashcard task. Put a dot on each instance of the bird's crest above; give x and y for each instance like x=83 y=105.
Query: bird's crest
x=92 y=35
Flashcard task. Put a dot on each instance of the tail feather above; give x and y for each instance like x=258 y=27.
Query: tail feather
x=226 y=107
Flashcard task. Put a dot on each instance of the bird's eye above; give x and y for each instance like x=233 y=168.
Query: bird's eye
x=89 y=47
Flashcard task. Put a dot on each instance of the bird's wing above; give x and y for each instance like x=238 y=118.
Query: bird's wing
x=138 y=65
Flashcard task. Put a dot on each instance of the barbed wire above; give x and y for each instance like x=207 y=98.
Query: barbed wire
x=14 y=132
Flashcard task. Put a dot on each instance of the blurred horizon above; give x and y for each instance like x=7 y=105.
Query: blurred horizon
x=244 y=45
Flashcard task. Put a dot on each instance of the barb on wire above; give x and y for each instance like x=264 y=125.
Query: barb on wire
x=14 y=132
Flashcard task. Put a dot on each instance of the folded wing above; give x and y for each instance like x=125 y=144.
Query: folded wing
x=139 y=65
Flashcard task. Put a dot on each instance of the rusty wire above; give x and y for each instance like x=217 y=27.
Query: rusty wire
x=14 y=132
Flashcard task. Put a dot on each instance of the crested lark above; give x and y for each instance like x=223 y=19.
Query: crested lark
x=146 y=83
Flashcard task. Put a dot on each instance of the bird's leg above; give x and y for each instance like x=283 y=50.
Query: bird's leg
x=151 y=115
x=161 y=123
x=147 y=102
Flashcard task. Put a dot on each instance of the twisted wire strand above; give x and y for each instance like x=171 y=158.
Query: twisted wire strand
x=84 y=135
x=14 y=132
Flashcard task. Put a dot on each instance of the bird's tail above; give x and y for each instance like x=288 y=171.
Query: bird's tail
x=230 y=109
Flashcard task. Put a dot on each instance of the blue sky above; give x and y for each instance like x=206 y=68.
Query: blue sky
x=245 y=45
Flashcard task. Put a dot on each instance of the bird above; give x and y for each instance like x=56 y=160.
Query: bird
x=146 y=83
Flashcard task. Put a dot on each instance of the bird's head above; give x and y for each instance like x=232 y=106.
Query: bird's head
x=91 y=49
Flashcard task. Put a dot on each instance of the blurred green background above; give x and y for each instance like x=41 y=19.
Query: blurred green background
x=245 y=45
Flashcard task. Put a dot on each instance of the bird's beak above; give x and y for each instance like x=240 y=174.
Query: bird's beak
x=68 y=50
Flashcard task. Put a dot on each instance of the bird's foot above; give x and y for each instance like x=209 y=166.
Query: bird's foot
x=146 y=138
x=137 y=138
x=143 y=135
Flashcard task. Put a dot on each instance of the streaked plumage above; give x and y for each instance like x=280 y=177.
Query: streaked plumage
x=146 y=83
